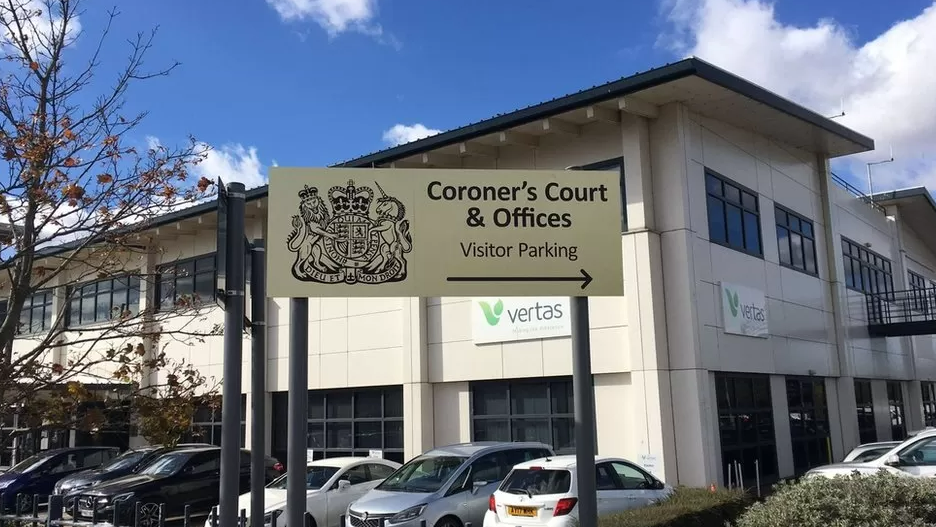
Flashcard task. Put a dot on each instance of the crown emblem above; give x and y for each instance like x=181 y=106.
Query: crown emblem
x=350 y=199
x=308 y=192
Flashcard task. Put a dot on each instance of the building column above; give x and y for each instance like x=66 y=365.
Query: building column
x=881 y=404
x=417 y=391
x=913 y=402
x=781 y=420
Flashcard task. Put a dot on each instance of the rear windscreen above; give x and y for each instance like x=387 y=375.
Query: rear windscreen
x=536 y=482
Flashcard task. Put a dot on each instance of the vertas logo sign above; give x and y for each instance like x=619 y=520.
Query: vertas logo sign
x=744 y=311
x=519 y=318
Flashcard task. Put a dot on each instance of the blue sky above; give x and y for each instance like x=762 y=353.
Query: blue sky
x=313 y=82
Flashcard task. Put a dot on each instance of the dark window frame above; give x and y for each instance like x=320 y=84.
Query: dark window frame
x=929 y=402
x=918 y=297
x=861 y=263
x=722 y=197
x=168 y=273
x=731 y=414
x=212 y=425
x=864 y=406
x=897 y=410
x=791 y=219
x=552 y=416
x=48 y=315
x=819 y=440
x=608 y=164
x=76 y=296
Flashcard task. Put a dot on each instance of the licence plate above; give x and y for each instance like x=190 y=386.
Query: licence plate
x=524 y=512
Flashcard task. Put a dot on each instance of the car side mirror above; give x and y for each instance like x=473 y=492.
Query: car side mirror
x=892 y=461
x=343 y=485
x=477 y=485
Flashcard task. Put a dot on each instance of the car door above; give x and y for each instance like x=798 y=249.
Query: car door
x=338 y=499
x=918 y=458
x=483 y=477
x=640 y=489
x=196 y=485
x=611 y=494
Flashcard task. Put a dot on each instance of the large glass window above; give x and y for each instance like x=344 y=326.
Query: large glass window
x=524 y=411
x=867 y=431
x=188 y=282
x=866 y=271
x=918 y=288
x=929 y=403
x=733 y=214
x=36 y=315
x=895 y=401
x=346 y=423
x=809 y=423
x=104 y=300
x=206 y=424
x=746 y=426
x=796 y=240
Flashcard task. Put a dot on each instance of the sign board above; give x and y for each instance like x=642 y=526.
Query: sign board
x=221 y=241
x=496 y=319
x=360 y=232
x=375 y=453
x=650 y=463
x=744 y=311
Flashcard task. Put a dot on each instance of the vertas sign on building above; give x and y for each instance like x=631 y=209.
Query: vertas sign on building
x=744 y=310
x=519 y=318
x=351 y=232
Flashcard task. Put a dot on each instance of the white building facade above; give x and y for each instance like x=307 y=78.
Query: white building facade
x=743 y=332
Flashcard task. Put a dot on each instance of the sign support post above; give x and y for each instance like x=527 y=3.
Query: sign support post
x=233 y=355
x=583 y=392
x=297 y=422
x=258 y=302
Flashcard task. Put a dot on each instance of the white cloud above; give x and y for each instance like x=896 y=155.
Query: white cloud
x=232 y=162
x=407 y=133
x=40 y=26
x=887 y=83
x=335 y=16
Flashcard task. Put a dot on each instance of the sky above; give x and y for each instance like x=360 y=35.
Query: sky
x=315 y=82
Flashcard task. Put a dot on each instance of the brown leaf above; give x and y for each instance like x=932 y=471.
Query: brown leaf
x=34 y=66
x=104 y=179
x=70 y=162
x=69 y=135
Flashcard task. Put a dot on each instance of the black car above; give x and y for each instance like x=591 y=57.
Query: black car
x=129 y=462
x=191 y=476
x=38 y=474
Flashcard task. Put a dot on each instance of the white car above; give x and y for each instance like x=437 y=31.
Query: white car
x=915 y=457
x=869 y=451
x=544 y=492
x=332 y=484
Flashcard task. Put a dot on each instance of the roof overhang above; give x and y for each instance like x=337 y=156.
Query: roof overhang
x=916 y=209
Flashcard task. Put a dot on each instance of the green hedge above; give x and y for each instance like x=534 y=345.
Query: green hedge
x=881 y=500
x=687 y=507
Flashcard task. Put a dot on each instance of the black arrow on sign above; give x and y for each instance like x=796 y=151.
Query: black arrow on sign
x=585 y=278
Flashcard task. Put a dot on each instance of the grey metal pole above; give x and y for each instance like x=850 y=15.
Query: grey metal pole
x=233 y=356
x=258 y=304
x=584 y=405
x=298 y=411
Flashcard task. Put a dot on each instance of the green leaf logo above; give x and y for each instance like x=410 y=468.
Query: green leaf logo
x=492 y=314
x=733 y=302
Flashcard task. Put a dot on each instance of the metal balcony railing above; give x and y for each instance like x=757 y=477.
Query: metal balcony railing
x=902 y=313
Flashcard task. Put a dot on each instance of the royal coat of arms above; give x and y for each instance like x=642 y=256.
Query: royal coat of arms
x=348 y=242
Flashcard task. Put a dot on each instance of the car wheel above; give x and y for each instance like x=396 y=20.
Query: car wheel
x=149 y=515
x=310 y=521
x=448 y=521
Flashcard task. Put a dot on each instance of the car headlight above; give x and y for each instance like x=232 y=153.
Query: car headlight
x=271 y=516
x=409 y=514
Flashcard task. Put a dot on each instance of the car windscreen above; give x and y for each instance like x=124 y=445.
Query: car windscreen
x=166 y=464
x=316 y=478
x=126 y=460
x=535 y=482
x=31 y=463
x=424 y=474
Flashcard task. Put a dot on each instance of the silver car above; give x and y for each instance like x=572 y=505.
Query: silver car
x=448 y=486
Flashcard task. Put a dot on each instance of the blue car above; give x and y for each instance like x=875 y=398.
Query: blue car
x=38 y=474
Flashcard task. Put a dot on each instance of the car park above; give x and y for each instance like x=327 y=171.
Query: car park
x=38 y=474
x=914 y=457
x=331 y=485
x=447 y=486
x=544 y=492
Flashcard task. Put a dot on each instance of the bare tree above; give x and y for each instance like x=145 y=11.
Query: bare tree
x=76 y=206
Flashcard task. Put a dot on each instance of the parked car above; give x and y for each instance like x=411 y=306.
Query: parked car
x=869 y=451
x=38 y=474
x=447 y=486
x=332 y=484
x=915 y=456
x=129 y=462
x=545 y=492
x=190 y=476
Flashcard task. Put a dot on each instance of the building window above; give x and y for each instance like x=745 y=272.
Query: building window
x=613 y=164
x=733 y=215
x=929 y=403
x=796 y=240
x=918 y=297
x=896 y=403
x=867 y=431
x=746 y=425
x=524 y=411
x=36 y=315
x=346 y=423
x=866 y=271
x=188 y=282
x=809 y=423
x=206 y=424
x=104 y=300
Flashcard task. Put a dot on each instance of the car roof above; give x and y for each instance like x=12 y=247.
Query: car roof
x=879 y=444
x=565 y=461
x=481 y=447
x=342 y=462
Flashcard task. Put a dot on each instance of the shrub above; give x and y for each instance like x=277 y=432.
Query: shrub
x=880 y=500
x=686 y=507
